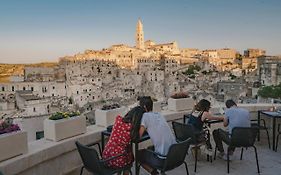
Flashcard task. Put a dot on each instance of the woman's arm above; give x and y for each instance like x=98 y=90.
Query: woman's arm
x=209 y=116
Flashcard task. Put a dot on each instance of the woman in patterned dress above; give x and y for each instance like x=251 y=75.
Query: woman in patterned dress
x=124 y=130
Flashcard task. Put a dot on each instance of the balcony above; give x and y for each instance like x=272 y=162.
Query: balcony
x=47 y=157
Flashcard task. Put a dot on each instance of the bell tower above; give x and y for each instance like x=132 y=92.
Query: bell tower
x=139 y=35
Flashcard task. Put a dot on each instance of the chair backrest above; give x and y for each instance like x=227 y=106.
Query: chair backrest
x=184 y=131
x=243 y=136
x=89 y=158
x=176 y=154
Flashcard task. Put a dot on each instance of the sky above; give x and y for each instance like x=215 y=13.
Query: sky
x=35 y=30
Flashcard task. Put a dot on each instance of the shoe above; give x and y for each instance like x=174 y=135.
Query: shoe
x=221 y=155
x=230 y=157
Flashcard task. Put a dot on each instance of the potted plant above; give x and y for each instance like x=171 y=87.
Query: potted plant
x=180 y=101
x=107 y=114
x=62 y=125
x=13 y=141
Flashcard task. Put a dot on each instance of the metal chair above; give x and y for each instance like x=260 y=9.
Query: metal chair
x=94 y=164
x=243 y=137
x=175 y=157
x=185 y=131
x=254 y=123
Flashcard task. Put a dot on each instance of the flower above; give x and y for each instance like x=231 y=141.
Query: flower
x=62 y=115
x=6 y=126
x=179 y=95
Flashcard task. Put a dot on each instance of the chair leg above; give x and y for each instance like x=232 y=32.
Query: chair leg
x=268 y=139
x=227 y=161
x=196 y=155
x=81 y=171
x=186 y=168
x=277 y=140
x=241 y=153
x=257 y=159
x=215 y=153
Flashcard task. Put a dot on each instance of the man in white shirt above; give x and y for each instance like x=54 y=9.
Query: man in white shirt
x=160 y=134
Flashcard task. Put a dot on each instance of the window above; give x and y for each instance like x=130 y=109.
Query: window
x=34 y=110
x=3 y=88
x=32 y=89
x=53 y=87
x=13 y=88
x=23 y=88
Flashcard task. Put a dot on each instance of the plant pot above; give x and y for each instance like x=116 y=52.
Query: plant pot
x=180 y=104
x=57 y=130
x=106 y=118
x=13 y=144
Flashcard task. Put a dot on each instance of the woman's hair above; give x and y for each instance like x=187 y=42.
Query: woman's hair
x=134 y=117
x=203 y=105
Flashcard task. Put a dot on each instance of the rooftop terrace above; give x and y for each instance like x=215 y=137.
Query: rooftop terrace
x=48 y=157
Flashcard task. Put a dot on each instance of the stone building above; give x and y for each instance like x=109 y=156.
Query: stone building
x=254 y=53
x=269 y=70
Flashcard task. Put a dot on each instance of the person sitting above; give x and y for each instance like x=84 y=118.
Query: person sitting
x=234 y=117
x=200 y=114
x=160 y=134
x=124 y=130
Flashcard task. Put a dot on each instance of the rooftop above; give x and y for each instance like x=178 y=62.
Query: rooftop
x=49 y=157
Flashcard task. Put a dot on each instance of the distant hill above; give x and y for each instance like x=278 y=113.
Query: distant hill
x=7 y=70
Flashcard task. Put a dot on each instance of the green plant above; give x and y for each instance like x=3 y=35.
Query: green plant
x=179 y=95
x=62 y=115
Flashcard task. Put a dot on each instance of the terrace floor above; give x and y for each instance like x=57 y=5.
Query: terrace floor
x=269 y=161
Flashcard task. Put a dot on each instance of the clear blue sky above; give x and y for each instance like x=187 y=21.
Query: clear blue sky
x=37 y=30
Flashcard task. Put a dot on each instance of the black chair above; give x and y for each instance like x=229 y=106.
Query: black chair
x=185 y=131
x=175 y=157
x=279 y=133
x=254 y=123
x=243 y=137
x=94 y=164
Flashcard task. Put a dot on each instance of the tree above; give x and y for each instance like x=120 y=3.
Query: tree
x=270 y=91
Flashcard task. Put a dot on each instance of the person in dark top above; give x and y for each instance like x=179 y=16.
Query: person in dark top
x=200 y=113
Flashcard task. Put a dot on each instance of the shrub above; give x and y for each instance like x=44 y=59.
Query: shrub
x=112 y=106
x=62 y=115
x=179 y=95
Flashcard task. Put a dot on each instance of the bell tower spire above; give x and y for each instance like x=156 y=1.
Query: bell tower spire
x=139 y=35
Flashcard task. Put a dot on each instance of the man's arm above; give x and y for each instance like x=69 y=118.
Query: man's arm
x=225 y=122
x=141 y=131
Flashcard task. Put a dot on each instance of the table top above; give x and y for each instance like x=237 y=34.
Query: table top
x=271 y=114
x=213 y=121
x=143 y=138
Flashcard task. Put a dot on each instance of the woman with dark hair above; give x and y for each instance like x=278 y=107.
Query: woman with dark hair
x=199 y=114
x=124 y=130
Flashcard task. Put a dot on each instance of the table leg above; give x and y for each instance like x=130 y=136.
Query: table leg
x=102 y=141
x=273 y=133
x=136 y=159
x=259 y=118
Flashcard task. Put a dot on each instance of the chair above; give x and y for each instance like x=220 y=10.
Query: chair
x=175 y=157
x=94 y=164
x=279 y=132
x=243 y=137
x=185 y=131
x=254 y=123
